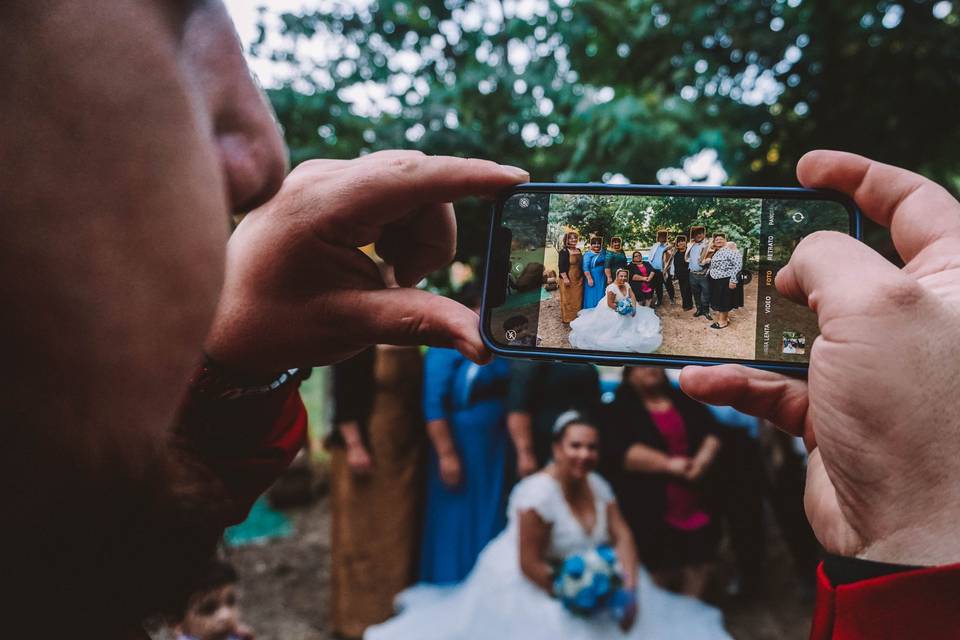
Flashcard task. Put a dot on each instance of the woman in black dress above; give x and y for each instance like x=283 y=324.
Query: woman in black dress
x=658 y=448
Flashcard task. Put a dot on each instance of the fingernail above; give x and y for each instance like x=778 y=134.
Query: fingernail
x=523 y=173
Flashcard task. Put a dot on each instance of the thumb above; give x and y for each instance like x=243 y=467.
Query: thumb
x=772 y=396
x=416 y=317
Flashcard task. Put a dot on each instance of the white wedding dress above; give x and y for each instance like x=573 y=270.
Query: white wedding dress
x=497 y=602
x=603 y=329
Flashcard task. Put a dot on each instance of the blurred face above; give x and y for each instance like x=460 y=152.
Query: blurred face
x=621 y=277
x=637 y=257
x=577 y=453
x=595 y=246
x=681 y=244
x=718 y=242
x=572 y=240
x=212 y=616
x=250 y=152
x=644 y=379
x=698 y=237
x=173 y=132
x=616 y=244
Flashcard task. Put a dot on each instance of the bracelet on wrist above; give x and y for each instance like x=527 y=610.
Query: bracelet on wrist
x=218 y=382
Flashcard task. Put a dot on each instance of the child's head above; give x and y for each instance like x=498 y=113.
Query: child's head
x=212 y=612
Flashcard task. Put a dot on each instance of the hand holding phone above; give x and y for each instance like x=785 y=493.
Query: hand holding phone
x=878 y=412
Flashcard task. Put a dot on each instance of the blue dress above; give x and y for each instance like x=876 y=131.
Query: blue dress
x=594 y=263
x=459 y=522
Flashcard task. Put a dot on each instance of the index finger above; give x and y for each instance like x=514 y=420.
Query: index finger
x=918 y=211
x=389 y=187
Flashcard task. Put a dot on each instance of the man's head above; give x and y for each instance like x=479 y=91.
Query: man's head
x=131 y=129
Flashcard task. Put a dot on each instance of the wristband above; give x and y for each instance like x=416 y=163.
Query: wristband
x=215 y=381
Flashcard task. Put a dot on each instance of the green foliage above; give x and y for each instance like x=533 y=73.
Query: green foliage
x=581 y=90
x=637 y=219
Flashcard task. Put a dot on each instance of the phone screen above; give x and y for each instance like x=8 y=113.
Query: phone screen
x=676 y=276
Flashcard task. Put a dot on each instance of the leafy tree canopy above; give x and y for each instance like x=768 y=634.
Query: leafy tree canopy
x=581 y=90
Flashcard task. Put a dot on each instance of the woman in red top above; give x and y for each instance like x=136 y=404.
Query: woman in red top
x=658 y=446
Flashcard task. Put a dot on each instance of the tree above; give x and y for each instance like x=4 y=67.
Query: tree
x=582 y=90
x=637 y=219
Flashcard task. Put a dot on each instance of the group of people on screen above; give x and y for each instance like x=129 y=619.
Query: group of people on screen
x=598 y=278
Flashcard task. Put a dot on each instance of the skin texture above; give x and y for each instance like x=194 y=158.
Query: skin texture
x=131 y=131
x=883 y=481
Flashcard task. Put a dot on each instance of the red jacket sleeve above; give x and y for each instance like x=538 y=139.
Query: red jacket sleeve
x=917 y=604
x=246 y=442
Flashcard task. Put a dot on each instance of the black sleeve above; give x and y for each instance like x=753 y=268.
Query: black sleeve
x=563 y=261
x=522 y=379
x=353 y=389
x=842 y=570
x=614 y=439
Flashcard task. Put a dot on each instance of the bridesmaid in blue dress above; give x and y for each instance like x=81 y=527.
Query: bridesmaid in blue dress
x=594 y=263
x=465 y=408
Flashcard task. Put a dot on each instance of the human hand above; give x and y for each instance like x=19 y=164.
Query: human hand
x=883 y=482
x=298 y=291
x=451 y=472
x=359 y=460
x=526 y=464
x=732 y=284
x=695 y=470
x=678 y=466
x=590 y=280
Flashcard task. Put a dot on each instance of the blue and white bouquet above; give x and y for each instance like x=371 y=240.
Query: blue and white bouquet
x=587 y=583
x=625 y=307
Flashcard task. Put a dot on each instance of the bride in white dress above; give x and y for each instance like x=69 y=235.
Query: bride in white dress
x=562 y=510
x=603 y=329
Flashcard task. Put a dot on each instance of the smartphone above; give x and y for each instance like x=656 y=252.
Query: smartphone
x=657 y=275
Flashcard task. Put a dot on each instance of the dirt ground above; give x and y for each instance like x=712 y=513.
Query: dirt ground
x=682 y=333
x=285 y=588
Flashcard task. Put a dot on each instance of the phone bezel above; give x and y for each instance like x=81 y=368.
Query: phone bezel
x=606 y=358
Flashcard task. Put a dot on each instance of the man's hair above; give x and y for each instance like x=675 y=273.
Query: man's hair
x=680 y=238
x=514 y=322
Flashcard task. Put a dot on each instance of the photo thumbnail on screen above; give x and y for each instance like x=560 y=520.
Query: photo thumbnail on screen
x=671 y=275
